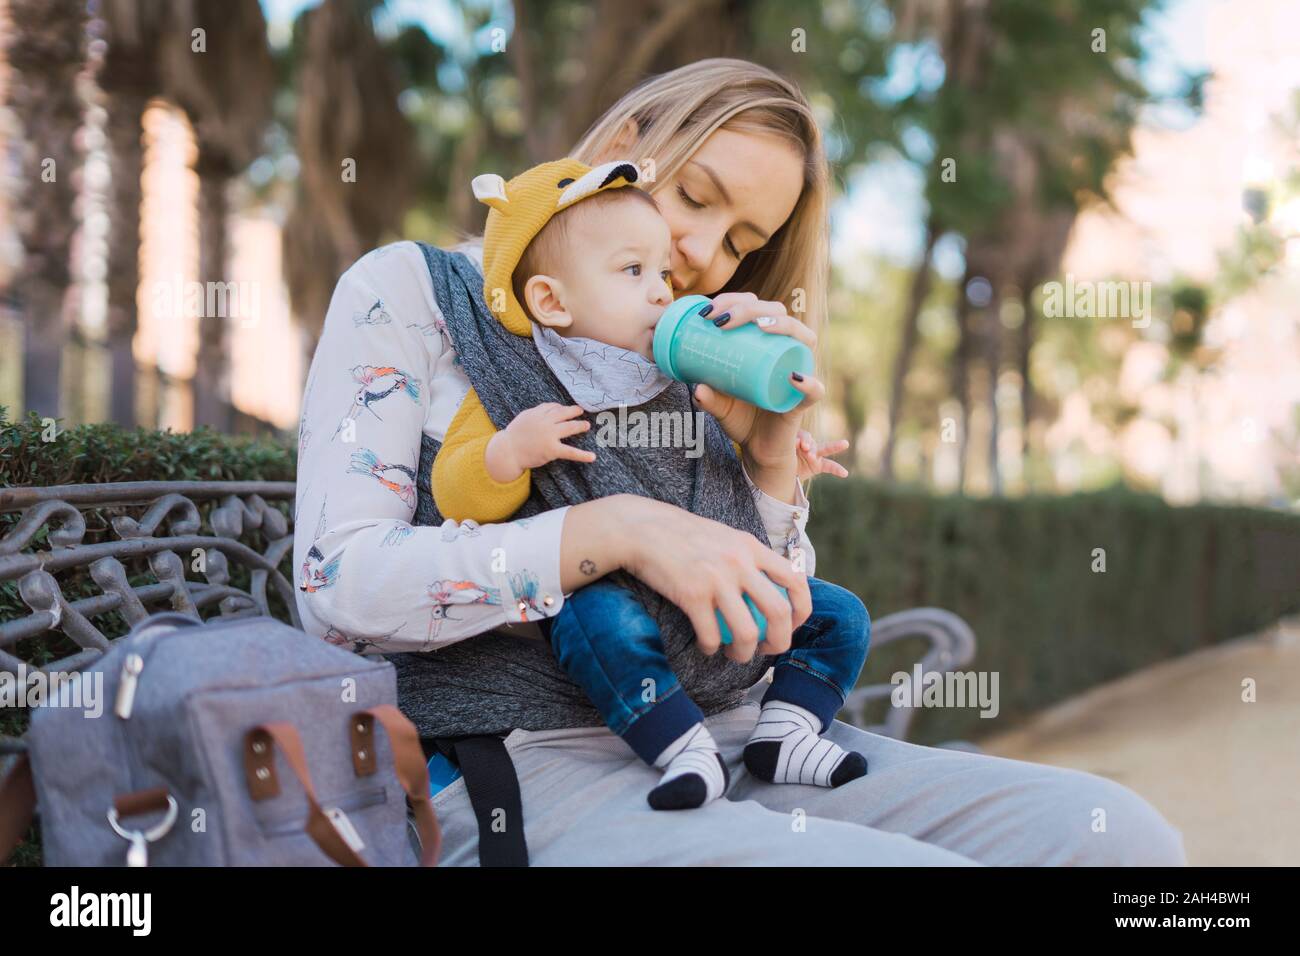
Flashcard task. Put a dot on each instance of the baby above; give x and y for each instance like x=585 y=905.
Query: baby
x=591 y=271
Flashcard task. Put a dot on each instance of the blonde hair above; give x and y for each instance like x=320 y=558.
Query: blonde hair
x=676 y=111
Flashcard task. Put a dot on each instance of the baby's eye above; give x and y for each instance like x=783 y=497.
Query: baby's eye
x=633 y=270
x=666 y=275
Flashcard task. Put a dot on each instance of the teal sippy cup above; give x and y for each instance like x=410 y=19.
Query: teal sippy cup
x=759 y=619
x=746 y=362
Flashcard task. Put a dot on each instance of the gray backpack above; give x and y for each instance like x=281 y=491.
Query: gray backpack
x=239 y=742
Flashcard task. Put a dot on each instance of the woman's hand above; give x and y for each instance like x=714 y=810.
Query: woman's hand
x=699 y=564
x=768 y=439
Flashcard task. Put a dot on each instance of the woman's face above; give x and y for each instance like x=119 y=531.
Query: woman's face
x=724 y=203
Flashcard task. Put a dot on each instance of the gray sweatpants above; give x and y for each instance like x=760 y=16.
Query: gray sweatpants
x=584 y=799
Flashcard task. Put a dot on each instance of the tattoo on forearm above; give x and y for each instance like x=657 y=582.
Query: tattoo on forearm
x=587 y=566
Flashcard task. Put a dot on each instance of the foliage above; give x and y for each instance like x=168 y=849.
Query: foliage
x=104 y=452
x=1021 y=573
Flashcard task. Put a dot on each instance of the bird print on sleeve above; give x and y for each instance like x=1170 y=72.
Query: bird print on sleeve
x=375 y=315
x=447 y=594
x=399 y=479
x=374 y=384
x=317 y=573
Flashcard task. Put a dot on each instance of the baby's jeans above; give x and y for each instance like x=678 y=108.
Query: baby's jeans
x=610 y=646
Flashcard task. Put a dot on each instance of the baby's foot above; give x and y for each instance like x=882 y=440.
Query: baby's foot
x=785 y=748
x=694 y=772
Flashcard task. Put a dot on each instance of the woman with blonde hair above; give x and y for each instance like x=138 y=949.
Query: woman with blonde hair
x=733 y=155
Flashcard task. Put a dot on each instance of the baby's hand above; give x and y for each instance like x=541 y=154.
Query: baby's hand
x=535 y=438
x=815 y=460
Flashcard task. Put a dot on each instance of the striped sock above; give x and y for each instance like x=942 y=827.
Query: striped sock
x=694 y=772
x=785 y=748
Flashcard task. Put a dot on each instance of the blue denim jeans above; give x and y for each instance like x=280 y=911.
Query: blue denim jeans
x=610 y=647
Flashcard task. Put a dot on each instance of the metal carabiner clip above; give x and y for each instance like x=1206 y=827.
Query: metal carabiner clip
x=138 y=854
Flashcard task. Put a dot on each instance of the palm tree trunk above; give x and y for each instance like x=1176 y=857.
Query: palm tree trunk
x=1027 y=332
x=45 y=323
x=907 y=347
x=519 y=50
x=462 y=212
x=347 y=91
x=125 y=112
x=961 y=376
x=45 y=52
x=212 y=373
x=854 y=409
x=992 y=327
x=624 y=41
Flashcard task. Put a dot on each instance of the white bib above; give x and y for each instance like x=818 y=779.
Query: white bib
x=598 y=375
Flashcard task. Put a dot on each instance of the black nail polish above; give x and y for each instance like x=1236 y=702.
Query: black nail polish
x=706 y=310
x=722 y=320
x=796 y=376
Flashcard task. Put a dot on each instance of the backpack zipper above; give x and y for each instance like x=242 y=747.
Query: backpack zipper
x=133 y=665
x=284 y=825
x=140 y=647
x=131 y=668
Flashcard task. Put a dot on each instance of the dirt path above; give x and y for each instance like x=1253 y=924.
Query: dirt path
x=1224 y=771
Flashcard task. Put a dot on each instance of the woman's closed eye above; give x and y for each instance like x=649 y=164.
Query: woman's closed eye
x=686 y=198
x=696 y=204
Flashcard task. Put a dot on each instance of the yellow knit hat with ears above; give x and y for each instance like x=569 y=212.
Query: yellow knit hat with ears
x=520 y=208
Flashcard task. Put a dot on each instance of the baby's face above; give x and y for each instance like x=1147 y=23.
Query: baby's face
x=615 y=272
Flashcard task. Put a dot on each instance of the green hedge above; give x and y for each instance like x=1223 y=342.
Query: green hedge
x=94 y=453
x=1020 y=572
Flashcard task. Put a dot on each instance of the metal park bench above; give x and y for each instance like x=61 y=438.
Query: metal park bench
x=82 y=553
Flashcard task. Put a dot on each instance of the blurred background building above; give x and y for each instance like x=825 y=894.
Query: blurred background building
x=1193 y=203
x=200 y=144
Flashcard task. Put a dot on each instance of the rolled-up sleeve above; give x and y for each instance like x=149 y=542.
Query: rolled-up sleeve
x=367 y=578
x=786 y=525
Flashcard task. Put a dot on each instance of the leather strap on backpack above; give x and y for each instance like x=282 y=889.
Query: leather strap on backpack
x=412 y=770
x=17 y=805
x=260 y=744
x=259 y=769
